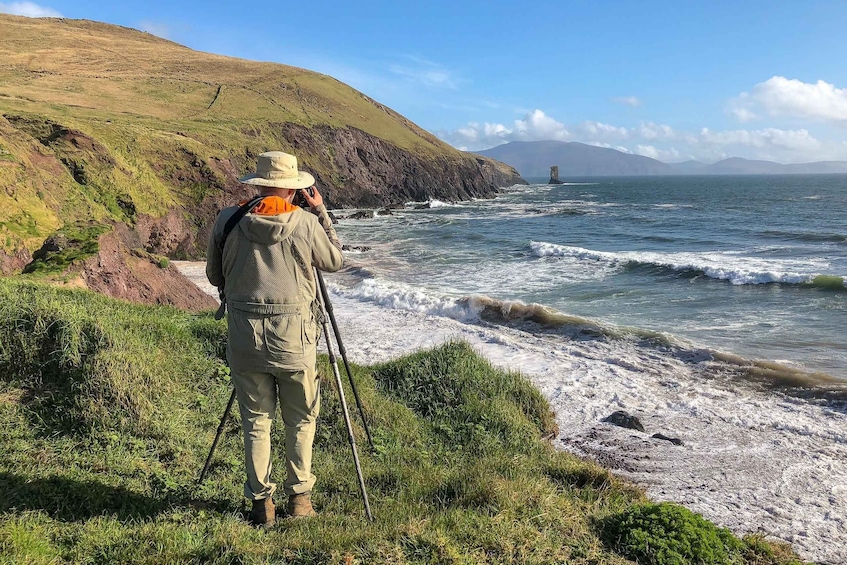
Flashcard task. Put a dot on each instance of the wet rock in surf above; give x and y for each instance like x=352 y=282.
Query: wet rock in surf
x=384 y=212
x=363 y=215
x=673 y=440
x=346 y=247
x=624 y=420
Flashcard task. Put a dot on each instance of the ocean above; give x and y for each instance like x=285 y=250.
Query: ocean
x=712 y=308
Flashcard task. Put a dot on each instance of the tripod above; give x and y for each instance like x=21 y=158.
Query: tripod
x=326 y=308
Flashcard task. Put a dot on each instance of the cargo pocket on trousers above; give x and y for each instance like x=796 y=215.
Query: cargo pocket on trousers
x=316 y=402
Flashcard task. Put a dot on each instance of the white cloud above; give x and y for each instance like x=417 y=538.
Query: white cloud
x=538 y=125
x=651 y=131
x=427 y=73
x=599 y=131
x=768 y=138
x=28 y=9
x=157 y=29
x=780 y=96
x=620 y=148
x=667 y=155
x=633 y=101
x=535 y=126
x=744 y=114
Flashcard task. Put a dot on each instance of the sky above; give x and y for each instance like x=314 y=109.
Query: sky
x=672 y=80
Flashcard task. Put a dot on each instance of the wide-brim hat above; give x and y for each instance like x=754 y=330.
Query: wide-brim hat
x=279 y=170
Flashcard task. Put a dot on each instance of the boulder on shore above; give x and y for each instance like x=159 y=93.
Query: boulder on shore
x=624 y=420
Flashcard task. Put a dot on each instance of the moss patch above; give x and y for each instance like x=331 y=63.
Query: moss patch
x=67 y=246
x=669 y=534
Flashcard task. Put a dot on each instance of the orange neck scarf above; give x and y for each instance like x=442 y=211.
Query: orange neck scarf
x=272 y=206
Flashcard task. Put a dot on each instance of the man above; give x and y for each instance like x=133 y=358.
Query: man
x=265 y=271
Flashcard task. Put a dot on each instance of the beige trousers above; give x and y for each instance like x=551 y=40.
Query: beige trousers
x=298 y=394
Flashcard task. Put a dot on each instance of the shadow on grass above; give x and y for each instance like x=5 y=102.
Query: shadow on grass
x=70 y=500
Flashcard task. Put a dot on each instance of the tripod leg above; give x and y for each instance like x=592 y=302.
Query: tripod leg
x=217 y=438
x=331 y=313
x=346 y=413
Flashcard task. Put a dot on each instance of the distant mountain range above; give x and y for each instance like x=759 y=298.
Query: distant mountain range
x=534 y=159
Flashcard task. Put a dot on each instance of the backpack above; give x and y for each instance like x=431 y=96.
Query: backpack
x=230 y=224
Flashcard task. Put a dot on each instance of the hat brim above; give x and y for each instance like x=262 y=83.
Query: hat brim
x=302 y=180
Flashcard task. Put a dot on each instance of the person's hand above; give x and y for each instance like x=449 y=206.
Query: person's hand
x=314 y=199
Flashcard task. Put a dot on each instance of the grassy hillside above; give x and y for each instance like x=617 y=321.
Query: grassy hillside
x=107 y=411
x=108 y=123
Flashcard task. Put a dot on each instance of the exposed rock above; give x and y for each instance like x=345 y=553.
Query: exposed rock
x=346 y=247
x=673 y=440
x=11 y=262
x=362 y=215
x=52 y=244
x=554 y=175
x=384 y=212
x=332 y=217
x=138 y=277
x=624 y=420
x=172 y=235
x=424 y=206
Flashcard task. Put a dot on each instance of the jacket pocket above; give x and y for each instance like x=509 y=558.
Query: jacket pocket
x=244 y=334
x=284 y=335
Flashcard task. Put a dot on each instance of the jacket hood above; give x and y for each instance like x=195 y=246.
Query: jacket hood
x=270 y=223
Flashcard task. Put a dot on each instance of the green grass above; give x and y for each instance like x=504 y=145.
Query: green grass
x=108 y=409
x=74 y=243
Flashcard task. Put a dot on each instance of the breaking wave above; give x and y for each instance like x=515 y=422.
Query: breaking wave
x=728 y=266
x=480 y=308
x=546 y=321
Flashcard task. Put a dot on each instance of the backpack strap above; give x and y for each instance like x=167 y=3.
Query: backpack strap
x=230 y=224
x=233 y=220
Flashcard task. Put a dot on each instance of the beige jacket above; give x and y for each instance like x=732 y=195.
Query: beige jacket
x=266 y=271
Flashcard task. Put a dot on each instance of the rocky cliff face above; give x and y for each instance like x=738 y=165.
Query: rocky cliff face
x=360 y=170
x=14 y=260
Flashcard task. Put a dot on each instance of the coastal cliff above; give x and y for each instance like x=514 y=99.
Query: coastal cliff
x=114 y=127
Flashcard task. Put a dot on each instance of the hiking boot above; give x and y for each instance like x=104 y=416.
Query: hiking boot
x=300 y=505
x=263 y=514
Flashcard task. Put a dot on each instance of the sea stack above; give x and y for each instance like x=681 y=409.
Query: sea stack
x=554 y=175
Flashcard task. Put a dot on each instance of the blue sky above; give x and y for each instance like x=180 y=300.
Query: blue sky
x=671 y=80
